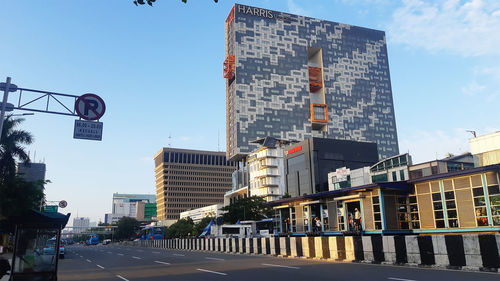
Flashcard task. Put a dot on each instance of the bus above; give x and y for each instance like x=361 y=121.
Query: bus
x=93 y=239
x=152 y=233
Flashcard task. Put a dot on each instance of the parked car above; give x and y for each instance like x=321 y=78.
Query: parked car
x=50 y=246
x=106 y=241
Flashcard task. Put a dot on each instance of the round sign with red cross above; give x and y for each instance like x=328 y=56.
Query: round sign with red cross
x=63 y=204
x=90 y=107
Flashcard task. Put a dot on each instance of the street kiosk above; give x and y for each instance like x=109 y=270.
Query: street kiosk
x=36 y=249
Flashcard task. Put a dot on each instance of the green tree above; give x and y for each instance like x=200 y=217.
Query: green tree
x=199 y=226
x=180 y=229
x=127 y=228
x=249 y=208
x=18 y=195
x=11 y=148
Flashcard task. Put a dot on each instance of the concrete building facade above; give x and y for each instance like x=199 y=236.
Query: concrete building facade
x=486 y=149
x=190 y=179
x=294 y=77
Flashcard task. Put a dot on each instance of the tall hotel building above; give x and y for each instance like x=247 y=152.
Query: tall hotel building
x=189 y=179
x=293 y=77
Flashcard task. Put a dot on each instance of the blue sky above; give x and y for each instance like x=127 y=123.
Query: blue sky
x=159 y=70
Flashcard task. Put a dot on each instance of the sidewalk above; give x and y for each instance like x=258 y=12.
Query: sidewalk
x=9 y=258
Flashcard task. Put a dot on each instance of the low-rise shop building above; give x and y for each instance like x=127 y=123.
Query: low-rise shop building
x=459 y=201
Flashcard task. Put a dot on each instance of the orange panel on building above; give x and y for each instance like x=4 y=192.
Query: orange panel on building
x=229 y=66
x=315 y=79
x=324 y=110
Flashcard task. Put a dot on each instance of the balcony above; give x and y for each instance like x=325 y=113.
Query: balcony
x=229 y=67
x=319 y=113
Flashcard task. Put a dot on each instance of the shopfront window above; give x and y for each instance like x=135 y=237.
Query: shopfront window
x=306 y=218
x=377 y=217
x=451 y=209
x=340 y=216
x=293 y=219
x=494 y=194
x=325 y=217
x=480 y=206
x=402 y=211
x=437 y=204
x=414 y=217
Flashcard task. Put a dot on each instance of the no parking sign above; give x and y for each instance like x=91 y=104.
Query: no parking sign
x=90 y=107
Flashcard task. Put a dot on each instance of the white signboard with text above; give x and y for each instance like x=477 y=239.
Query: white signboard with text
x=87 y=130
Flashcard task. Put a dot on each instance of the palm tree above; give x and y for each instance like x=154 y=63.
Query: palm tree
x=11 y=148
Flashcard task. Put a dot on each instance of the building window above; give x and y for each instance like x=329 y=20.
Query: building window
x=494 y=194
x=414 y=217
x=394 y=177
x=402 y=175
x=319 y=113
x=451 y=208
x=379 y=178
x=294 y=219
x=377 y=217
x=340 y=216
x=480 y=206
x=438 y=209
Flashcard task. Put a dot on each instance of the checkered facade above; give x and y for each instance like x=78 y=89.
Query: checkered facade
x=269 y=94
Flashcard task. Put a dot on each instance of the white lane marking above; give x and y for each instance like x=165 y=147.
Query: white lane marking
x=120 y=254
x=109 y=253
x=165 y=263
x=155 y=252
x=400 y=279
x=215 y=259
x=122 y=278
x=179 y=255
x=137 y=258
x=278 y=265
x=101 y=267
x=89 y=260
x=209 y=271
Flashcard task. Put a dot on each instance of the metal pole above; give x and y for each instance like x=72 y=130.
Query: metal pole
x=5 y=97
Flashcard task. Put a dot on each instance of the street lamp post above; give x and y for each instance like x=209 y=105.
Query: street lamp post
x=4 y=103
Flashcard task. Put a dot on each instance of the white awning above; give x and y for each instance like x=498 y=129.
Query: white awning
x=310 y=202
x=281 y=207
x=348 y=197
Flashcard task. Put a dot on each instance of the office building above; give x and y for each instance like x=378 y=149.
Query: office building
x=294 y=77
x=31 y=171
x=308 y=163
x=80 y=224
x=189 y=179
x=125 y=205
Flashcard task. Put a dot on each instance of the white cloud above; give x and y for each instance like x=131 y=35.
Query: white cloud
x=473 y=89
x=485 y=83
x=467 y=28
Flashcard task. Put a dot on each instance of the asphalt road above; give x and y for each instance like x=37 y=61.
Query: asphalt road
x=133 y=263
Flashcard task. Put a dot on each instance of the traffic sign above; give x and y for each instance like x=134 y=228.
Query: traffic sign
x=90 y=107
x=12 y=87
x=87 y=130
x=63 y=204
x=50 y=209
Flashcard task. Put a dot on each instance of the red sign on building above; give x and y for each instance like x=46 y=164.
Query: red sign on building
x=295 y=149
